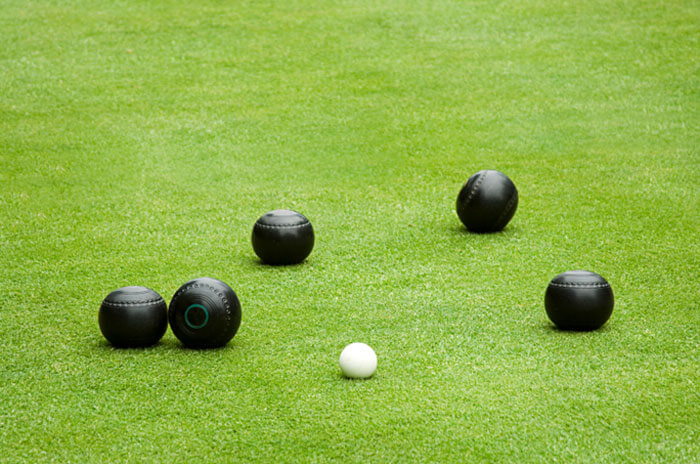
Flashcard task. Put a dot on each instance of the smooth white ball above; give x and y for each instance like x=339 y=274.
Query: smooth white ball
x=358 y=361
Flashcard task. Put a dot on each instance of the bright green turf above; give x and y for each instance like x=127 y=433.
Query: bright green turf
x=139 y=141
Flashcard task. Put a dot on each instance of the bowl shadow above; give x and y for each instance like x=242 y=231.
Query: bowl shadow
x=552 y=328
x=506 y=232
x=163 y=345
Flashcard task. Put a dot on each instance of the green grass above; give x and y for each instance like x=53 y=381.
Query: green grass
x=139 y=142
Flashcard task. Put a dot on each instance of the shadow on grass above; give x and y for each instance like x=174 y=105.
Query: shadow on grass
x=551 y=328
x=508 y=232
x=339 y=376
x=258 y=264
x=167 y=345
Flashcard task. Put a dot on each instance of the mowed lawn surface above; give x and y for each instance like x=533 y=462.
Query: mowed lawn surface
x=140 y=141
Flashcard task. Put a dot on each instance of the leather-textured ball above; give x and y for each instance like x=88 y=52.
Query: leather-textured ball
x=579 y=300
x=282 y=237
x=133 y=317
x=204 y=313
x=487 y=202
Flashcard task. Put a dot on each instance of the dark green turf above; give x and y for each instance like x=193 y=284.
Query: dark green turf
x=139 y=142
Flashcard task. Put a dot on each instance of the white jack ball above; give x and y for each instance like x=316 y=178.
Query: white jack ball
x=358 y=361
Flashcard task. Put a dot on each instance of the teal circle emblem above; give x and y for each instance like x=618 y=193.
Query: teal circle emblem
x=187 y=318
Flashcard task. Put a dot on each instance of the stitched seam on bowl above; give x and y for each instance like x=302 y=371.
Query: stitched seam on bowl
x=282 y=226
x=507 y=209
x=472 y=191
x=132 y=303
x=211 y=287
x=570 y=285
